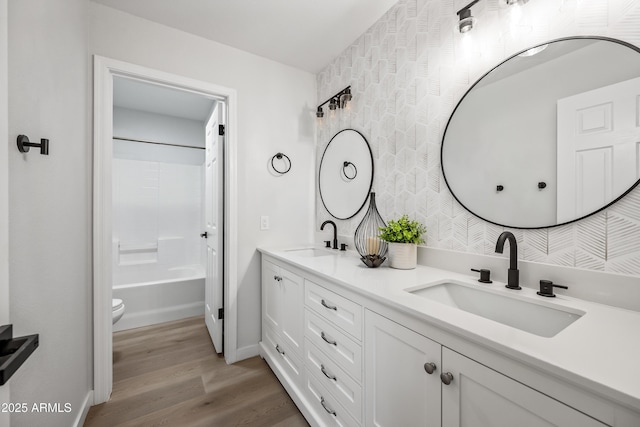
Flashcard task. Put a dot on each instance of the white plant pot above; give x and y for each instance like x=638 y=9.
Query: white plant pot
x=403 y=256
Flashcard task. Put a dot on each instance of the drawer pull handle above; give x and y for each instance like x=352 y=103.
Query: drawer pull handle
x=278 y=278
x=327 y=340
x=278 y=350
x=430 y=368
x=329 y=410
x=331 y=377
x=330 y=307
x=446 y=378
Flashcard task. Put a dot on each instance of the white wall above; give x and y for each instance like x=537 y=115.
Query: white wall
x=135 y=124
x=4 y=171
x=407 y=73
x=49 y=205
x=276 y=106
x=4 y=193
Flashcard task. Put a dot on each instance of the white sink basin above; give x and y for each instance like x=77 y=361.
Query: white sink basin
x=538 y=319
x=310 y=252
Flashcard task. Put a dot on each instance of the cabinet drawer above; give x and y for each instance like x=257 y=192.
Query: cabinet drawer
x=325 y=405
x=342 y=387
x=345 y=352
x=282 y=354
x=344 y=313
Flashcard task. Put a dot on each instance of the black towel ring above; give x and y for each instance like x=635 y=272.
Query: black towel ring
x=345 y=165
x=280 y=156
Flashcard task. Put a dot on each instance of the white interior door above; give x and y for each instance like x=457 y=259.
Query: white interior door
x=214 y=313
x=598 y=147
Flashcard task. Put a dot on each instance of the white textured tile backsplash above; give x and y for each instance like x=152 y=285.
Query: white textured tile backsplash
x=408 y=71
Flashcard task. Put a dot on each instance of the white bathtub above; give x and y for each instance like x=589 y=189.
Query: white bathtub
x=163 y=296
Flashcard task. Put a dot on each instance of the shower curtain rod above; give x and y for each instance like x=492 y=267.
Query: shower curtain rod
x=157 y=143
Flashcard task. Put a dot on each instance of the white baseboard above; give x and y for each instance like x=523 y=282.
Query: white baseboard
x=247 y=352
x=86 y=404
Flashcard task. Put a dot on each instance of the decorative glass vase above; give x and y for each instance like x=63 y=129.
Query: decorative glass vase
x=369 y=245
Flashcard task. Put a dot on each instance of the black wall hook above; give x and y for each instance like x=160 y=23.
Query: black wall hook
x=287 y=163
x=24 y=144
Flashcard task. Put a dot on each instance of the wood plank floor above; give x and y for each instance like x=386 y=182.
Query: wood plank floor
x=169 y=375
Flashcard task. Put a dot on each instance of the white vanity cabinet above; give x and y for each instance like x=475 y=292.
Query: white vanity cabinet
x=282 y=318
x=402 y=375
x=478 y=396
x=405 y=387
x=348 y=359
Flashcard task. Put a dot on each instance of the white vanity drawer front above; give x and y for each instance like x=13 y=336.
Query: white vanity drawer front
x=345 y=313
x=341 y=386
x=345 y=352
x=282 y=355
x=326 y=406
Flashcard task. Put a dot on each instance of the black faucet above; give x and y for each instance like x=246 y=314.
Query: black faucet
x=335 y=232
x=513 y=275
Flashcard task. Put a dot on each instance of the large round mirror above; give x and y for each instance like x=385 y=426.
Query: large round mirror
x=346 y=174
x=549 y=136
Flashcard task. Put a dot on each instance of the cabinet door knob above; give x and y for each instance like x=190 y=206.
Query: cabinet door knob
x=329 y=410
x=327 y=340
x=330 y=307
x=430 y=367
x=446 y=378
x=324 y=371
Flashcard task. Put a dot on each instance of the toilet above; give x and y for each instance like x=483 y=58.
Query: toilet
x=118 y=309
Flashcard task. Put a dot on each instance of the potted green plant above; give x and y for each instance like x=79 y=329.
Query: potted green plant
x=403 y=236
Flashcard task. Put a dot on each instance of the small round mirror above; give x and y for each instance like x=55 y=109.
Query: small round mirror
x=346 y=174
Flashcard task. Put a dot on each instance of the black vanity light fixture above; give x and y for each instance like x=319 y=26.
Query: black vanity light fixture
x=467 y=21
x=339 y=100
x=24 y=144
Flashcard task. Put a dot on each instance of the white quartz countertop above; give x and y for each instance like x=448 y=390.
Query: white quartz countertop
x=599 y=351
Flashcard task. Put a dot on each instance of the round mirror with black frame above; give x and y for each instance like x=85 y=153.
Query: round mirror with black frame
x=345 y=175
x=549 y=136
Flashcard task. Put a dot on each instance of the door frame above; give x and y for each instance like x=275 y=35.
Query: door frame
x=104 y=70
